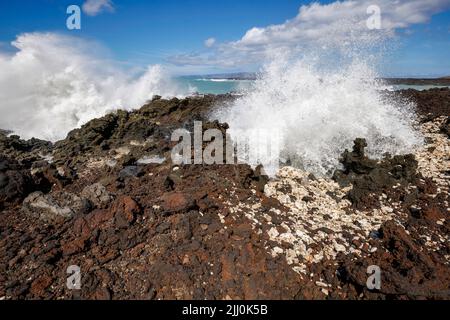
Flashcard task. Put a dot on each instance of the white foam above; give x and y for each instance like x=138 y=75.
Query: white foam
x=315 y=113
x=55 y=83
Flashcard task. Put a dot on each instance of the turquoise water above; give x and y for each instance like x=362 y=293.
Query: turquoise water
x=213 y=86
x=197 y=84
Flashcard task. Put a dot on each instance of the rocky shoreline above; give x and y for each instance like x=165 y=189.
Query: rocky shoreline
x=109 y=200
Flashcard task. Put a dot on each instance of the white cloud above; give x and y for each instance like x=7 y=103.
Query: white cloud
x=210 y=42
x=94 y=7
x=320 y=25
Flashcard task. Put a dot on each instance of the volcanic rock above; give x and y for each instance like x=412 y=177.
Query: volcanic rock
x=15 y=182
x=124 y=210
x=209 y=231
x=369 y=176
x=97 y=195
x=445 y=128
x=176 y=201
x=53 y=207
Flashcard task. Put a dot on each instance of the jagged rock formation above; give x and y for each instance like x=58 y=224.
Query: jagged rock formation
x=109 y=199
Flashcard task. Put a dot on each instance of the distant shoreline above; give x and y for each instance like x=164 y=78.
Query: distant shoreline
x=443 y=81
x=419 y=82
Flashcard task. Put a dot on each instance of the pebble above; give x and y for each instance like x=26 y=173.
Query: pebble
x=321 y=284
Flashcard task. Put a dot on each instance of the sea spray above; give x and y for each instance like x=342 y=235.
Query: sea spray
x=317 y=112
x=54 y=83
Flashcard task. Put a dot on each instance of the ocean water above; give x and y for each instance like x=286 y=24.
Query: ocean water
x=198 y=84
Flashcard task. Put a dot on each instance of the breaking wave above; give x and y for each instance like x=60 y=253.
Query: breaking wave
x=53 y=83
x=313 y=113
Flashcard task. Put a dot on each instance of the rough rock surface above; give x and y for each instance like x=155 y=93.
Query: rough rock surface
x=431 y=103
x=369 y=177
x=97 y=194
x=51 y=207
x=149 y=229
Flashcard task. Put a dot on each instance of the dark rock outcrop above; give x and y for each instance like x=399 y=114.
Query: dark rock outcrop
x=157 y=230
x=373 y=177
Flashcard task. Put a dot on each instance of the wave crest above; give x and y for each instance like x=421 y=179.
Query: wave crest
x=53 y=83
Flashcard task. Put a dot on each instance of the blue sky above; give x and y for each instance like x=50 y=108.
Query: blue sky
x=173 y=32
